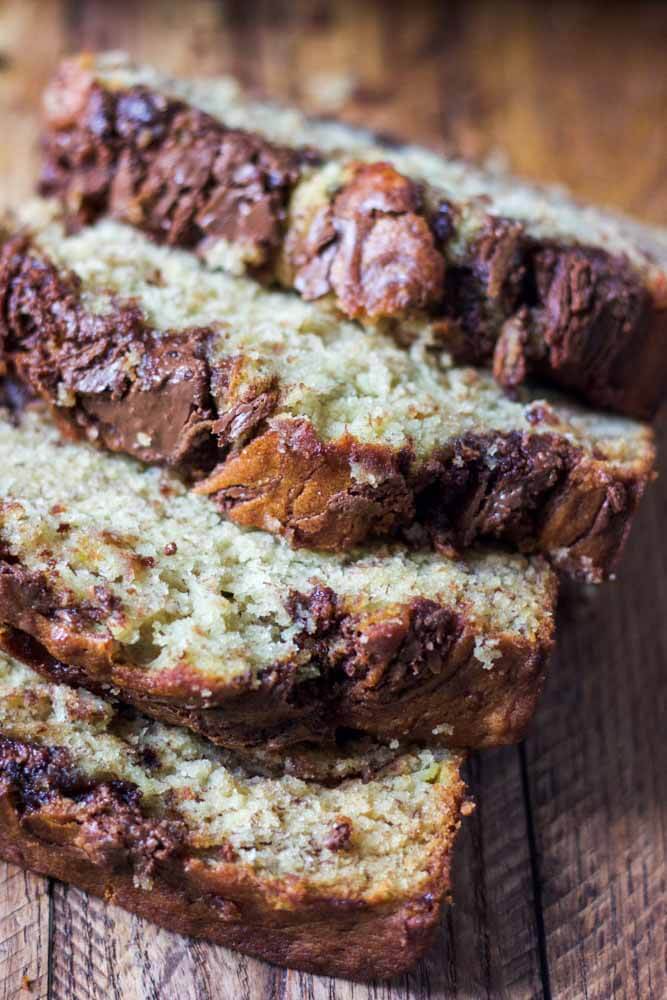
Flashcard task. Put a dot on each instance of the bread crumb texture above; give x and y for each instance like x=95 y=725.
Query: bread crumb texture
x=345 y=380
x=182 y=587
x=373 y=840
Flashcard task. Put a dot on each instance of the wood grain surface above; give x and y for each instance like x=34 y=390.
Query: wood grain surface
x=560 y=874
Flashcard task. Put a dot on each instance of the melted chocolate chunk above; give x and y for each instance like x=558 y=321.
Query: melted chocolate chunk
x=371 y=247
x=317 y=613
x=572 y=314
x=444 y=222
x=14 y=396
x=386 y=656
x=585 y=320
x=111 y=377
x=171 y=170
x=494 y=486
x=479 y=292
x=38 y=774
x=23 y=590
x=114 y=831
x=107 y=817
x=340 y=837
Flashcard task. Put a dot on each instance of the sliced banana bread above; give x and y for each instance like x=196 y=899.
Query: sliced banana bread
x=345 y=880
x=298 y=423
x=487 y=269
x=116 y=569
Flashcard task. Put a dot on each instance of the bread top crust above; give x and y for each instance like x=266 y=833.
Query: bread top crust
x=489 y=272
x=548 y=211
x=146 y=795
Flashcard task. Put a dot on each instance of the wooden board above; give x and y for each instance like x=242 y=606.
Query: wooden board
x=560 y=874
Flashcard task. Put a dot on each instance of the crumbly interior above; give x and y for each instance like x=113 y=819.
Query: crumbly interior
x=278 y=827
x=87 y=519
x=546 y=213
x=344 y=379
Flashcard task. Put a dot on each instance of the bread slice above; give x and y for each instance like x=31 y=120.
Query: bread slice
x=302 y=424
x=345 y=880
x=116 y=569
x=488 y=269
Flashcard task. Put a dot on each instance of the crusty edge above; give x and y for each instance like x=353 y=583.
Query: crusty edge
x=411 y=672
x=276 y=922
x=587 y=524
x=575 y=508
x=646 y=357
x=461 y=704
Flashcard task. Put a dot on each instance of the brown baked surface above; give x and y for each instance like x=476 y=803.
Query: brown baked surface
x=341 y=227
x=455 y=463
x=185 y=859
x=437 y=696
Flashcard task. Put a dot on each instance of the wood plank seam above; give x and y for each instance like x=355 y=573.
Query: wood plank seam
x=50 y=938
x=535 y=870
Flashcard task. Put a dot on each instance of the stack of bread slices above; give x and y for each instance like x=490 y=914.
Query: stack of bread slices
x=298 y=430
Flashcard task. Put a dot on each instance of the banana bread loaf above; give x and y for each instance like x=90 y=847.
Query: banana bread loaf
x=134 y=583
x=299 y=423
x=489 y=269
x=345 y=880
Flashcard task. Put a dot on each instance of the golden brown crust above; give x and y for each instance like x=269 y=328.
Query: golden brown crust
x=281 y=922
x=411 y=673
x=288 y=481
x=574 y=508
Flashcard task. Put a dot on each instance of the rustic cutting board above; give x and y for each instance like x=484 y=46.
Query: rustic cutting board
x=560 y=874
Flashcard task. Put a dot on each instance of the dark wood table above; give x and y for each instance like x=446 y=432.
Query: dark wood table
x=560 y=874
